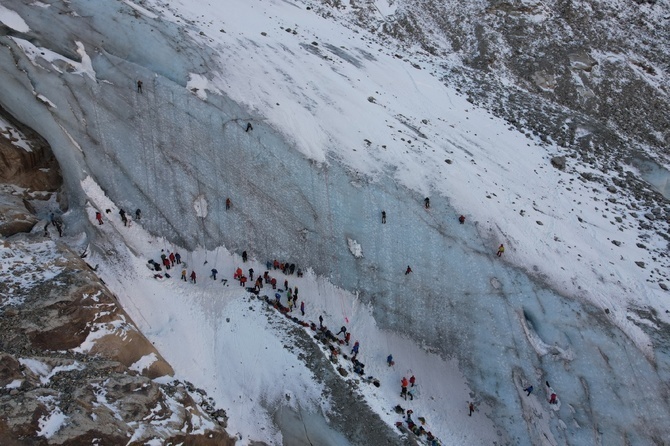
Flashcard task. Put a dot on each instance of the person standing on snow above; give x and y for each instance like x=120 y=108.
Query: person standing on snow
x=342 y=330
x=172 y=258
x=98 y=216
x=461 y=220
x=138 y=214
x=529 y=390
x=124 y=219
x=426 y=202
x=408 y=270
x=244 y=256
x=412 y=380
x=552 y=399
x=320 y=321
x=501 y=249
x=383 y=217
x=139 y=86
x=183 y=275
x=302 y=307
x=251 y=274
x=403 y=387
x=214 y=273
x=347 y=337
x=193 y=276
x=389 y=360
x=228 y=203
x=471 y=408
x=177 y=257
x=354 y=351
x=273 y=282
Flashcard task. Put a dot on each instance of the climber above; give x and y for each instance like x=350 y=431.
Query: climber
x=461 y=219
x=302 y=307
x=139 y=86
x=183 y=275
x=552 y=399
x=383 y=217
x=177 y=257
x=354 y=351
x=342 y=330
x=347 y=337
x=98 y=216
x=214 y=273
x=389 y=360
x=501 y=249
x=251 y=274
x=249 y=127
x=529 y=390
x=193 y=276
x=412 y=381
x=408 y=270
x=172 y=258
x=244 y=256
x=273 y=282
x=124 y=219
x=471 y=408
x=426 y=202
x=138 y=214
x=403 y=387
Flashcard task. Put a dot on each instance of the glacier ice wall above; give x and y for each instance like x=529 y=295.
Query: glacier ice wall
x=167 y=149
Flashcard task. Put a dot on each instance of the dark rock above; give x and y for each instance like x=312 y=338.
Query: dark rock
x=558 y=162
x=640 y=264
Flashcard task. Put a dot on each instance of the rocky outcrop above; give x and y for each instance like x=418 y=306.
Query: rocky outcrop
x=29 y=176
x=26 y=159
x=74 y=367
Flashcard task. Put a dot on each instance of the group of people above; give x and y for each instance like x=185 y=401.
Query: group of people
x=553 y=398
x=122 y=214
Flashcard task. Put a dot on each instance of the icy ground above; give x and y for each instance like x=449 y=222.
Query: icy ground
x=343 y=129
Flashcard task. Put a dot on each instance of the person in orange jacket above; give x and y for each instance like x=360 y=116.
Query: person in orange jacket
x=403 y=387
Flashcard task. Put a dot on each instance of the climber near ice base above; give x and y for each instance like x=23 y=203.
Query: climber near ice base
x=98 y=216
x=461 y=219
x=193 y=276
x=501 y=249
x=214 y=273
x=403 y=387
x=383 y=217
x=426 y=202
x=138 y=214
x=354 y=351
x=124 y=219
x=528 y=390
x=343 y=329
x=139 y=86
x=408 y=270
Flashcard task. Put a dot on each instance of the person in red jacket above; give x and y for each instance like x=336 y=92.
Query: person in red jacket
x=273 y=282
x=412 y=380
x=193 y=276
x=403 y=387
x=98 y=216
x=172 y=258
x=243 y=280
x=408 y=270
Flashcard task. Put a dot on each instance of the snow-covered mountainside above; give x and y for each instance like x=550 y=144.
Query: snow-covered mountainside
x=544 y=124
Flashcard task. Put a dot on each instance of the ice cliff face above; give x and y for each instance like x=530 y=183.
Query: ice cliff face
x=72 y=76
